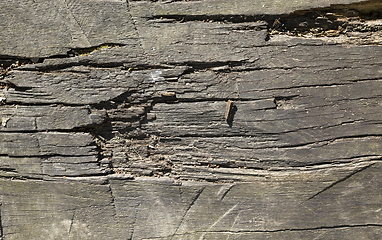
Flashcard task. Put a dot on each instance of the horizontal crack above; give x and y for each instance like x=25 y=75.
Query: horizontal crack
x=42 y=156
x=328 y=140
x=82 y=129
x=344 y=83
x=226 y=18
x=210 y=135
x=72 y=52
x=21 y=177
x=65 y=104
x=289 y=229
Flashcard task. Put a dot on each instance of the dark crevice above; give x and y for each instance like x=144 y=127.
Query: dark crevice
x=59 y=66
x=65 y=104
x=83 y=129
x=46 y=156
x=8 y=169
x=164 y=1
x=225 y=18
x=282 y=102
x=321 y=85
x=328 y=141
x=84 y=61
x=239 y=67
x=8 y=64
x=312 y=115
x=228 y=164
x=75 y=52
x=311 y=166
x=86 y=51
x=278 y=165
x=175 y=100
x=340 y=19
x=230 y=112
x=324 y=164
x=367 y=10
x=71 y=53
x=201 y=66
x=330 y=21
x=68 y=163
x=290 y=229
x=22 y=177
x=197 y=100
x=114 y=102
x=210 y=135
x=337 y=161
x=365 y=80
x=15 y=87
x=8 y=60
x=101 y=174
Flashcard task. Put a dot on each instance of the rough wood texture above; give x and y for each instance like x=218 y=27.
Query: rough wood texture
x=191 y=119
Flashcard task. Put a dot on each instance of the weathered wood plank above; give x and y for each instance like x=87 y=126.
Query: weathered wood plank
x=190 y=209
x=20 y=167
x=129 y=56
x=178 y=42
x=43 y=29
x=227 y=7
x=270 y=116
x=53 y=117
x=35 y=210
x=72 y=166
x=328 y=209
x=47 y=143
x=70 y=88
x=294 y=133
x=96 y=94
x=281 y=71
x=43 y=167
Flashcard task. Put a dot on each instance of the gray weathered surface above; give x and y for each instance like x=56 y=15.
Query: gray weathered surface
x=36 y=29
x=113 y=119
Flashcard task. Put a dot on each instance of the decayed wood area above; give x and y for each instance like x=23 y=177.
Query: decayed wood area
x=214 y=119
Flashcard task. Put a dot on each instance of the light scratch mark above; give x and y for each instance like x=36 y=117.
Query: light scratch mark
x=218 y=220
x=71 y=223
x=189 y=207
x=223 y=191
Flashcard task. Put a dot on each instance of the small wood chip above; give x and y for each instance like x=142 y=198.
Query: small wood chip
x=229 y=109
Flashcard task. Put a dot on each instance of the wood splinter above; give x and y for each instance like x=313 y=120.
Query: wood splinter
x=229 y=111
